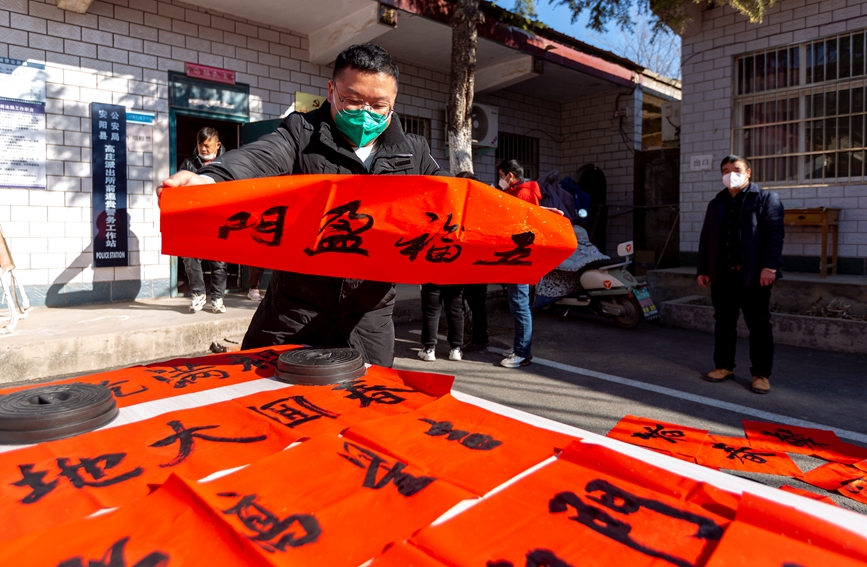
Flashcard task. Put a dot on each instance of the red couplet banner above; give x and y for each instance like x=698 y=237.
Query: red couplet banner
x=405 y=229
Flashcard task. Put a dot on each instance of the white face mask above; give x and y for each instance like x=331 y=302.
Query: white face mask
x=208 y=157
x=734 y=180
x=504 y=184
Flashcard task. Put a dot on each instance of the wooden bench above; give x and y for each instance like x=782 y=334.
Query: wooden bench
x=829 y=219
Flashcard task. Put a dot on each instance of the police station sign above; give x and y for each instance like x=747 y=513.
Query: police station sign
x=110 y=223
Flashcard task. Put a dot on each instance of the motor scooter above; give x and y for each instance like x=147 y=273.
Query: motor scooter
x=602 y=286
x=608 y=289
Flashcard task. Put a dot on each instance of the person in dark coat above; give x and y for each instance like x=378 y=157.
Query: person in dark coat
x=354 y=132
x=739 y=257
x=208 y=148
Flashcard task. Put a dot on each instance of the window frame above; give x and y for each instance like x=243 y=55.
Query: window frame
x=791 y=155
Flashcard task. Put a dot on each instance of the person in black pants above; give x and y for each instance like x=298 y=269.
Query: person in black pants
x=476 y=296
x=739 y=257
x=432 y=296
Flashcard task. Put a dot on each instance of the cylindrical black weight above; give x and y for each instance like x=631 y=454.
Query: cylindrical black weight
x=319 y=366
x=54 y=412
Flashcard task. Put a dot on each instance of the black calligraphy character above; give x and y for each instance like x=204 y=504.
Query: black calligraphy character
x=515 y=257
x=238 y=221
x=268 y=527
x=95 y=469
x=476 y=441
x=407 y=484
x=263 y=360
x=186 y=438
x=435 y=254
x=626 y=503
x=36 y=482
x=187 y=374
x=270 y=224
x=338 y=234
x=794 y=439
x=115 y=557
x=290 y=416
x=743 y=454
x=536 y=558
x=659 y=432
x=115 y=388
x=359 y=390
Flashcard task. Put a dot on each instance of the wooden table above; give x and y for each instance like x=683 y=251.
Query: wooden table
x=829 y=219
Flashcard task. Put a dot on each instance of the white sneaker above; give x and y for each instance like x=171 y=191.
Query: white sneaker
x=515 y=361
x=197 y=302
x=217 y=305
x=456 y=354
x=254 y=295
x=427 y=354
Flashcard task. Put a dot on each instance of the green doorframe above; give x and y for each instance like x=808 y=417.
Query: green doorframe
x=173 y=159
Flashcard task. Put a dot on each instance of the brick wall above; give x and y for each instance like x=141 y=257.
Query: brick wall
x=120 y=52
x=592 y=134
x=706 y=116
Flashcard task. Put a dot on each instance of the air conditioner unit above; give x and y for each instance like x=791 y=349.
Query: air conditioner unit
x=671 y=121
x=485 y=121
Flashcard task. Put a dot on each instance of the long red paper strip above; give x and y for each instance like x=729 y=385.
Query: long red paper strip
x=356 y=498
x=464 y=444
x=585 y=510
x=738 y=454
x=672 y=439
x=790 y=438
x=847 y=480
x=179 y=376
x=808 y=494
x=768 y=534
x=404 y=229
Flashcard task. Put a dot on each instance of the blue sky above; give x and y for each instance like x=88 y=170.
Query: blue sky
x=559 y=18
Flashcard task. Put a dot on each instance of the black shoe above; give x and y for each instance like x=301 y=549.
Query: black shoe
x=473 y=347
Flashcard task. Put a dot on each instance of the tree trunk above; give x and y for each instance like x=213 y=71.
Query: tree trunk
x=465 y=19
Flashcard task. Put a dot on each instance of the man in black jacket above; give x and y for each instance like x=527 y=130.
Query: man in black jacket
x=739 y=257
x=355 y=132
x=208 y=148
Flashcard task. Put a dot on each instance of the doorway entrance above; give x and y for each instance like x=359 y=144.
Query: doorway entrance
x=186 y=128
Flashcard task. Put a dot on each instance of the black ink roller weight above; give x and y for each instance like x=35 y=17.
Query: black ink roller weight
x=319 y=366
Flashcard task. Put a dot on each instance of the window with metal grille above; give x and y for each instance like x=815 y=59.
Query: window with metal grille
x=800 y=111
x=522 y=148
x=416 y=125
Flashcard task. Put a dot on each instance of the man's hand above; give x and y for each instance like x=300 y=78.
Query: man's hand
x=553 y=210
x=703 y=281
x=767 y=278
x=181 y=179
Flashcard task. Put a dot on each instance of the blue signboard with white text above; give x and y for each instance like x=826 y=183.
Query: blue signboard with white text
x=110 y=219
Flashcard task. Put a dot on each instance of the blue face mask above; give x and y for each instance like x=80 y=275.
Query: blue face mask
x=360 y=126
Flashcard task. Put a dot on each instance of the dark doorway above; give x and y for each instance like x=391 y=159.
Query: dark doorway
x=186 y=129
x=189 y=126
x=657 y=204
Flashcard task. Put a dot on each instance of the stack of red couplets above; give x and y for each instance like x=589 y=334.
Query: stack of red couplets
x=213 y=462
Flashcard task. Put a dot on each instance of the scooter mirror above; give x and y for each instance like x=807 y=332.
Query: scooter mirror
x=582 y=213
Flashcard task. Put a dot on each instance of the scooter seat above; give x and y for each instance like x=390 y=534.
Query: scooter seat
x=596 y=264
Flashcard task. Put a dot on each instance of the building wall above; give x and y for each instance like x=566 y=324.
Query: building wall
x=706 y=121
x=120 y=52
x=592 y=134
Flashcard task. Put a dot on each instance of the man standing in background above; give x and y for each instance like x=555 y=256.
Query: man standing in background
x=208 y=147
x=739 y=257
